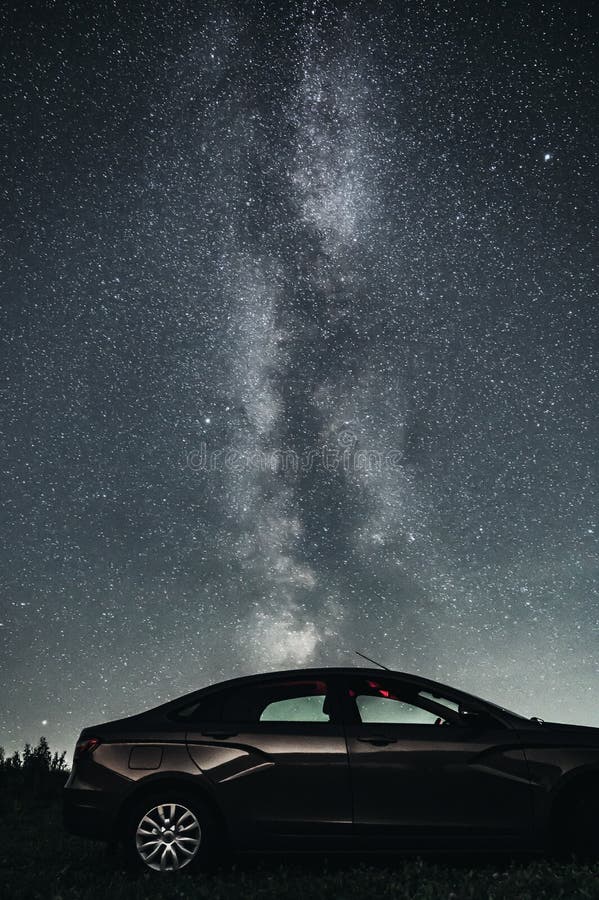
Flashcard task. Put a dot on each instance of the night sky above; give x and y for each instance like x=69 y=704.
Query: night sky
x=298 y=350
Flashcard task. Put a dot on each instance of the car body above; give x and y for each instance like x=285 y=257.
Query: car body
x=331 y=759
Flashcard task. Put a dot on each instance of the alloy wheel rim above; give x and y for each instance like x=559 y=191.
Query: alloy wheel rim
x=168 y=837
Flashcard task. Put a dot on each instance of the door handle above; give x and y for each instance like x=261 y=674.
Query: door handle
x=221 y=735
x=378 y=740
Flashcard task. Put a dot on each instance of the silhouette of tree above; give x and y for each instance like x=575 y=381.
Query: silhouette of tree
x=32 y=778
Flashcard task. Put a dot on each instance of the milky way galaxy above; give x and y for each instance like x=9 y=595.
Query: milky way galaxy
x=299 y=332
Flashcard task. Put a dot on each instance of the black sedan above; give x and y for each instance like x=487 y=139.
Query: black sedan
x=332 y=759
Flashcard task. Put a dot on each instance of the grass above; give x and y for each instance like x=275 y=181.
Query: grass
x=38 y=860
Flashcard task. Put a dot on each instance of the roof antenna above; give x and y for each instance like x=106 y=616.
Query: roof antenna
x=372 y=661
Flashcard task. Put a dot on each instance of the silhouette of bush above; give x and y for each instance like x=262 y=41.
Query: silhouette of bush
x=33 y=778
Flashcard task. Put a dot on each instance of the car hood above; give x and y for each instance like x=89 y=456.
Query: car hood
x=585 y=731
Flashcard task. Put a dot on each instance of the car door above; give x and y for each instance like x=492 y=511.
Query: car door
x=427 y=771
x=276 y=755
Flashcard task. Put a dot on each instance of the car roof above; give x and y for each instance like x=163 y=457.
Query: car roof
x=310 y=672
x=320 y=671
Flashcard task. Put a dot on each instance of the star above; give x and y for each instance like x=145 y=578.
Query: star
x=316 y=253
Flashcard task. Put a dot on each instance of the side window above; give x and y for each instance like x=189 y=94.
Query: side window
x=392 y=703
x=298 y=709
x=441 y=701
x=289 y=701
x=391 y=711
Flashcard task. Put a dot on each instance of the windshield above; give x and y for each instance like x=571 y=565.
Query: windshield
x=441 y=692
x=499 y=708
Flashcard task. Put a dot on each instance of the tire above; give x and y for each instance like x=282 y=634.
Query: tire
x=168 y=832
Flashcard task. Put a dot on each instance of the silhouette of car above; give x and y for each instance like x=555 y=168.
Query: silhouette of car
x=332 y=759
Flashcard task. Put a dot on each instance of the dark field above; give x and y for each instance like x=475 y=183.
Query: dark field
x=37 y=860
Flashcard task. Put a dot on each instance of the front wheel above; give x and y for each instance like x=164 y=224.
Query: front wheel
x=168 y=832
x=582 y=822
